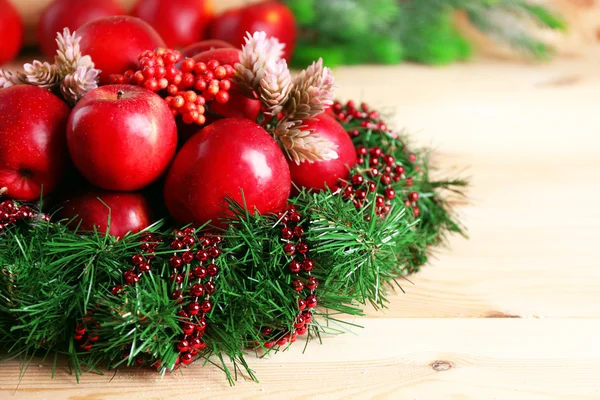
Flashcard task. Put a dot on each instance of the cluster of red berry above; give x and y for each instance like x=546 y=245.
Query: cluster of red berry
x=11 y=213
x=200 y=285
x=368 y=119
x=301 y=266
x=187 y=85
x=376 y=172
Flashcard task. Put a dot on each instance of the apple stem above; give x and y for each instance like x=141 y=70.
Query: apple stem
x=120 y=94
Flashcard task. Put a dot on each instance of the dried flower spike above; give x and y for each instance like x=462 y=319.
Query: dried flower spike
x=42 y=74
x=9 y=78
x=303 y=145
x=275 y=87
x=75 y=85
x=257 y=54
x=313 y=91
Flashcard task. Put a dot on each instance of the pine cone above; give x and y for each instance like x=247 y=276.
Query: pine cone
x=9 y=78
x=302 y=144
x=275 y=87
x=75 y=85
x=41 y=74
x=257 y=54
x=313 y=91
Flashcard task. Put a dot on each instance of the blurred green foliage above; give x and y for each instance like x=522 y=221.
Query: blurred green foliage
x=389 y=31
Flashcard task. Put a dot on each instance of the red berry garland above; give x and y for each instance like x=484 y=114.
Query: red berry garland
x=305 y=284
x=201 y=252
x=188 y=85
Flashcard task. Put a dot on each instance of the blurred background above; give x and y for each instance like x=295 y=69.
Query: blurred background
x=346 y=32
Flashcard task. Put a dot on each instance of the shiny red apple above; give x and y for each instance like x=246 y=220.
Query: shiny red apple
x=224 y=159
x=179 y=22
x=92 y=208
x=205 y=45
x=33 y=149
x=319 y=174
x=114 y=43
x=70 y=14
x=11 y=31
x=272 y=17
x=121 y=137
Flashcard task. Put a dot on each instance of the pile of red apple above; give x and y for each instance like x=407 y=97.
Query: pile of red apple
x=110 y=153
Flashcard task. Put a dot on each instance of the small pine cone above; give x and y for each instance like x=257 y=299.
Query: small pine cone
x=275 y=87
x=302 y=144
x=74 y=86
x=9 y=78
x=44 y=75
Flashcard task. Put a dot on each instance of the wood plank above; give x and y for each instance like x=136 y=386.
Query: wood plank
x=424 y=359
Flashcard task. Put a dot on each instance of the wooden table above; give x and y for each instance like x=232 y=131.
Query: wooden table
x=512 y=313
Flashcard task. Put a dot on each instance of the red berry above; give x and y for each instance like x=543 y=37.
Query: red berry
x=220 y=72
x=206 y=306
x=311 y=301
x=214 y=252
x=212 y=269
x=301 y=304
x=390 y=193
x=287 y=234
x=183 y=346
x=199 y=272
x=210 y=287
x=413 y=196
x=289 y=248
x=298 y=285
x=295 y=266
x=202 y=255
x=137 y=259
x=312 y=283
x=187 y=65
x=308 y=264
x=194 y=308
x=176 y=262
x=187 y=358
x=212 y=64
x=302 y=247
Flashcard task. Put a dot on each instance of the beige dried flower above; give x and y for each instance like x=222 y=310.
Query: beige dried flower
x=314 y=89
x=301 y=144
x=257 y=54
x=9 y=78
x=275 y=87
x=42 y=74
x=75 y=85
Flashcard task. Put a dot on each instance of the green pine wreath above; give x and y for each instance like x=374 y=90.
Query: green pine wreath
x=171 y=295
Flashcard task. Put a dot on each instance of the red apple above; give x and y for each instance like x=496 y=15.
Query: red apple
x=272 y=17
x=319 y=174
x=127 y=211
x=121 y=137
x=33 y=149
x=114 y=43
x=70 y=14
x=179 y=22
x=11 y=31
x=223 y=159
x=205 y=45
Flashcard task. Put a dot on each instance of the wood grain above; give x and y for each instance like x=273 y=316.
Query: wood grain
x=512 y=313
